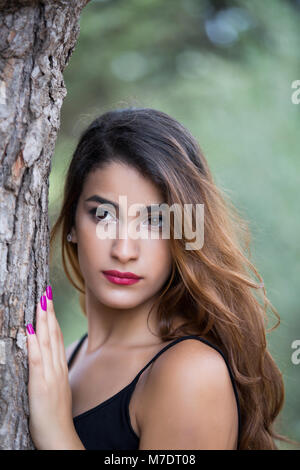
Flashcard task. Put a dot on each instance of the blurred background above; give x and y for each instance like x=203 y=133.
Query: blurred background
x=224 y=69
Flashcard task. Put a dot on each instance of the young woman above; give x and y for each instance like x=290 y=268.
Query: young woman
x=175 y=353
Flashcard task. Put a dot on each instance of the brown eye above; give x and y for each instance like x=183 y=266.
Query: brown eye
x=97 y=217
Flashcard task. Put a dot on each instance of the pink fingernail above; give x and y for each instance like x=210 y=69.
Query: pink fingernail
x=49 y=292
x=30 y=329
x=43 y=302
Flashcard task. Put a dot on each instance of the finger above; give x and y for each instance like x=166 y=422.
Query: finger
x=56 y=336
x=35 y=361
x=42 y=332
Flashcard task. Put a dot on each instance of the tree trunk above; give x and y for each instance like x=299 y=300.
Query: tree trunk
x=36 y=41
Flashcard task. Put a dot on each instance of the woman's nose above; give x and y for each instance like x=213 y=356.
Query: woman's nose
x=125 y=249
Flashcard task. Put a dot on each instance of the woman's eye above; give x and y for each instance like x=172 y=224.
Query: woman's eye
x=156 y=220
x=101 y=217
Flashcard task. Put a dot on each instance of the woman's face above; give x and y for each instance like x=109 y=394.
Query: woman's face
x=148 y=258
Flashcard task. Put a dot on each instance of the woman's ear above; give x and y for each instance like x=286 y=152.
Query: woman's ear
x=73 y=234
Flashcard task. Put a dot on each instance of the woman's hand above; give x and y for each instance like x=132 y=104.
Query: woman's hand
x=50 y=397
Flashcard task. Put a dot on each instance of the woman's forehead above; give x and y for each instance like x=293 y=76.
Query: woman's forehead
x=117 y=180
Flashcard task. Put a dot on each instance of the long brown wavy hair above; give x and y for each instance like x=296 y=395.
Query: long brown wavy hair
x=216 y=289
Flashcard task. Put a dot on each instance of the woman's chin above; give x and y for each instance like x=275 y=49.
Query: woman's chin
x=120 y=303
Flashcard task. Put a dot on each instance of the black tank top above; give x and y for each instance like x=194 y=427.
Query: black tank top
x=107 y=426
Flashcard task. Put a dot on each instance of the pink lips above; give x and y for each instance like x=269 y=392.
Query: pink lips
x=118 y=277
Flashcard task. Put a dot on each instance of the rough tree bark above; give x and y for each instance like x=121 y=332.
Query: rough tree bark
x=36 y=41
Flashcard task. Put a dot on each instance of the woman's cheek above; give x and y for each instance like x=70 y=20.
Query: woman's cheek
x=158 y=260
x=91 y=257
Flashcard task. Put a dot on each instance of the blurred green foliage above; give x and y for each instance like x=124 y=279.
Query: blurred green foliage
x=224 y=69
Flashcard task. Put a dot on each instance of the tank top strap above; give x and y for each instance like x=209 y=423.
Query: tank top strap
x=177 y=340
x=76 y=349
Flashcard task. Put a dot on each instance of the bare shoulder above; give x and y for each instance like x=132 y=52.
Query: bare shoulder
x=70 y=348
x=188 y=400
x=191 y=360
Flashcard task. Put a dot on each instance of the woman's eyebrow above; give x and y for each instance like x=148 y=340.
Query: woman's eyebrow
x=103 y=200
